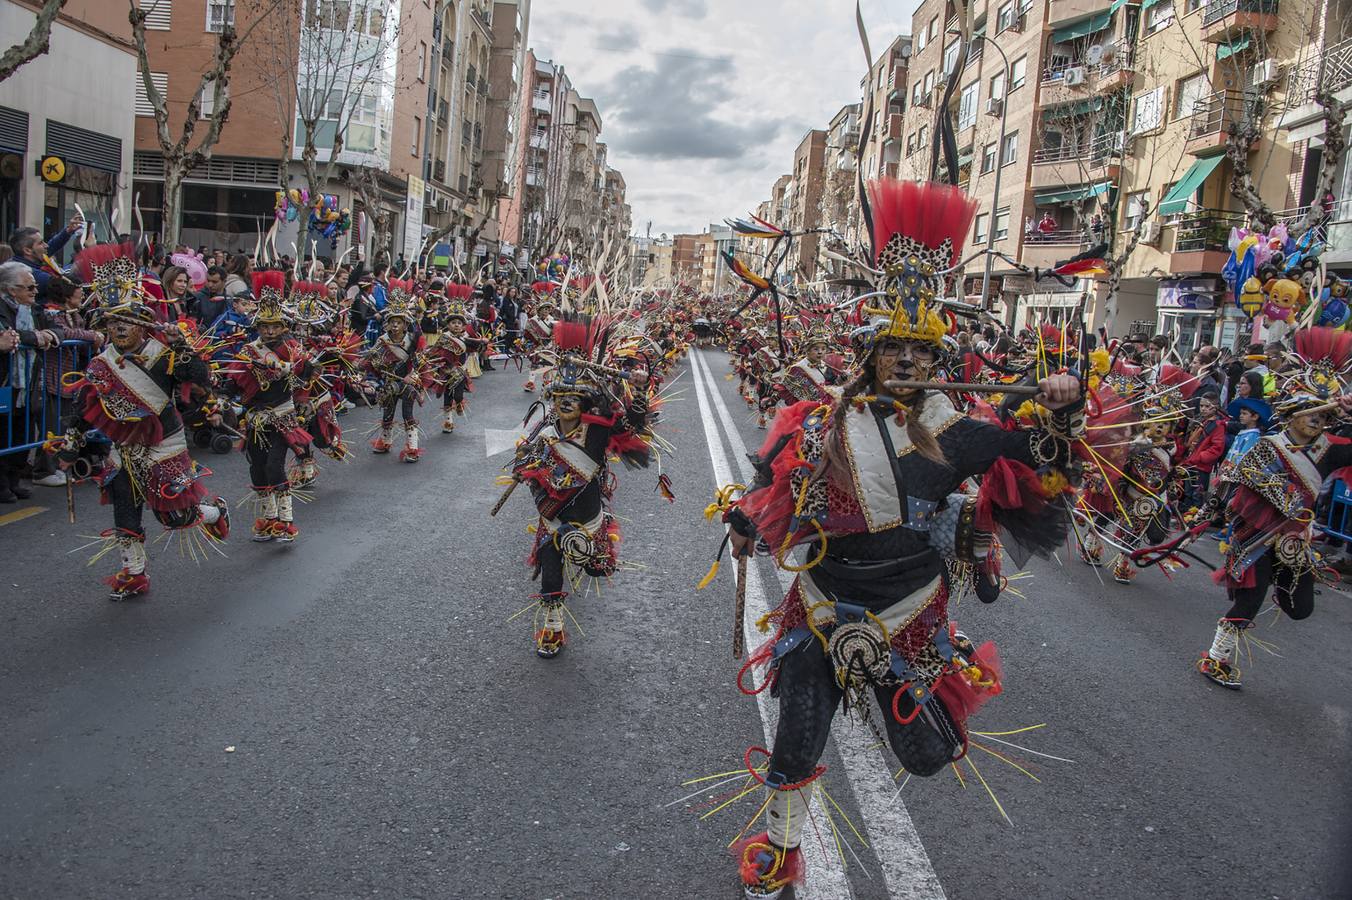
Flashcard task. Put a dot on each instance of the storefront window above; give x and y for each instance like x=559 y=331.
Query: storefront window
x=94 y=191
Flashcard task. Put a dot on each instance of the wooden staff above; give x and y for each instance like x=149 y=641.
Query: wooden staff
x=739 y=610
x=70 y=498
x=1017 y=390
x=596 y=367
x=503 y=499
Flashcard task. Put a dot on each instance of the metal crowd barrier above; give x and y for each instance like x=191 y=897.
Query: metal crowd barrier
x=31 y=401
x=1340 y=511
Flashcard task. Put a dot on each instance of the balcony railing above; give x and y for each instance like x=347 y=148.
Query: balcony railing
x=1219 y=10
x=1214 y=114
x=1065 y=152
x=1061 y=236
x=1205 y=229
x=1330 y=71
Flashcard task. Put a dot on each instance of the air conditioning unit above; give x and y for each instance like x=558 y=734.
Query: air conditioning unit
x=1017 y=24
x=1150 y=233
x=1264 y=72
x=1094 y=55
x=995 y=106
x=443 y=204
x=924 y=101
x=1075 y=75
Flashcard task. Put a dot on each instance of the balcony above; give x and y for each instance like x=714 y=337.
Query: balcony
x=1200 y=241
x=1065 y=82
x=1045 y=250
x=534 y=178
x=1209 y=124
x=1226 y=19
x=1059 y=11
x=1116 y=67
x=892 y=130
x=1331 y=72
x=540 y=103
x=1058 y=166
x=539 y=139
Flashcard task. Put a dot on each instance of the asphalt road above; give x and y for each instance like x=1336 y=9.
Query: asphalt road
x=395 y=735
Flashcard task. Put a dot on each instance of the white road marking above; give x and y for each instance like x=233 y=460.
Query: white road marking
x=826 y=879
x=905 y=864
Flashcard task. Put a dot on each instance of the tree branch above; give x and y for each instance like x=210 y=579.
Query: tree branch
x=36 y=44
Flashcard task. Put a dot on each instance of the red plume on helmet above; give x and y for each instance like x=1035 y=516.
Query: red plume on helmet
x=1186 y=382
x=1331 y=344
x=273 y=279
x=927 y=213
x=100 y=255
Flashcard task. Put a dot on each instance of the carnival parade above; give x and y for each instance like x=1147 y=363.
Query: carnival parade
x=468 y=543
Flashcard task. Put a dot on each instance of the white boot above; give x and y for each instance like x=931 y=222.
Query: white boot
x=448 y=423
x=286 y=529
x=265 y=524
x=410 y=453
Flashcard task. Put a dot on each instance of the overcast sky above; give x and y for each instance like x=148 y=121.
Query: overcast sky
x=703 y=101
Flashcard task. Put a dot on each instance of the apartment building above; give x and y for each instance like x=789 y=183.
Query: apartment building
x=804 y=203
x=50 y=108
x=886 y=87
x=839 y=209
x=686 y=266
x=506 y=75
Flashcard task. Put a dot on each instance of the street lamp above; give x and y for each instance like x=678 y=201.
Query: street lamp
x=999 y=161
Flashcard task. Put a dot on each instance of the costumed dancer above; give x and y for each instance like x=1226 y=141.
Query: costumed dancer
x=127 y=392
x=864 y=483
x=449 y=356
x=1275 y=486
x=808 y=377
x=1147 y=480
x=539 y=330
x=397 y=359
x=333 y=357
x=564 y=463
x=268 y=373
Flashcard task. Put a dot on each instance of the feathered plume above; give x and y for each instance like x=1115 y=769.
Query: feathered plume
x=1331 y=344
x=100 y=255
x=1186 y=382
x=928 y=213
x=271 y=279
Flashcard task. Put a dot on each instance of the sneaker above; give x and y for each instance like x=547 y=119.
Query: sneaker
x=766 y=869
x=549 y=643
x=1219 y=671
x=56 y=479
x=285 y=532
x=262 y=530
x=125 y=585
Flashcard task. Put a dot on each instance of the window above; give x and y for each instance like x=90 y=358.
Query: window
x=1018 y=73
x=934 y=29
x=1004 y=17
x=417 y=135
x=1194 y=5
x=922 y=137
x=206 y=100
x=1138 y=204
x=143 y=105
x=929 y=81
x=1147 y=110
x=422 y=61
x=971 y=96
x=916 y=93
x=951 y=56
x=1010 y=152
x=1191 y=95
x=998 y=86
x=988 y=158
x=921 y=40
x=983 y=224
x=910 y=144
x=220 y=13
x=1002 y=223
x=1159 y=16
x=159 y=14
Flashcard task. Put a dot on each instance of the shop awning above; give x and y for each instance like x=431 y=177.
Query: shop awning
x=1081 y=28
x=1146 y=4
x=1070 y=110
x=1177 y=199
x=1069 y=195
x=1230 y=48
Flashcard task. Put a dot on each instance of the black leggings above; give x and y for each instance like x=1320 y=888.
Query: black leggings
x=453 y=395
x=1294 y=595
x=550 y=561
x=127 y=510
x=267 y=458
x=808 y=697
x=387 y=411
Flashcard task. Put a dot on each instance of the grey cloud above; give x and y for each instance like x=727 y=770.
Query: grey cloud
x=691 y=9
x=622 y=37
x=667 y=112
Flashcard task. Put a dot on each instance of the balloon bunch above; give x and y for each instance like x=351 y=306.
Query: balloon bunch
x=1271 y=273
x=193 y=265
x=288 y=204
x=1334 y=309
x=328 y=219
x=553 y=268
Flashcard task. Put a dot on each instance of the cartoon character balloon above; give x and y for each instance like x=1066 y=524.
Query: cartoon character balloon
x=1285 y=298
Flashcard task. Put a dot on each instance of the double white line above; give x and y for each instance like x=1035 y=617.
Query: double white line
x=905 y=866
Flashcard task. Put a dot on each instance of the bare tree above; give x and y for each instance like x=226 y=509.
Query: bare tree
x=184 y=154
x=36 y=44
x=365 y=183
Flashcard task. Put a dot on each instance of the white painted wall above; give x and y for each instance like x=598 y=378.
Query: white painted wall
x=80 y=81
